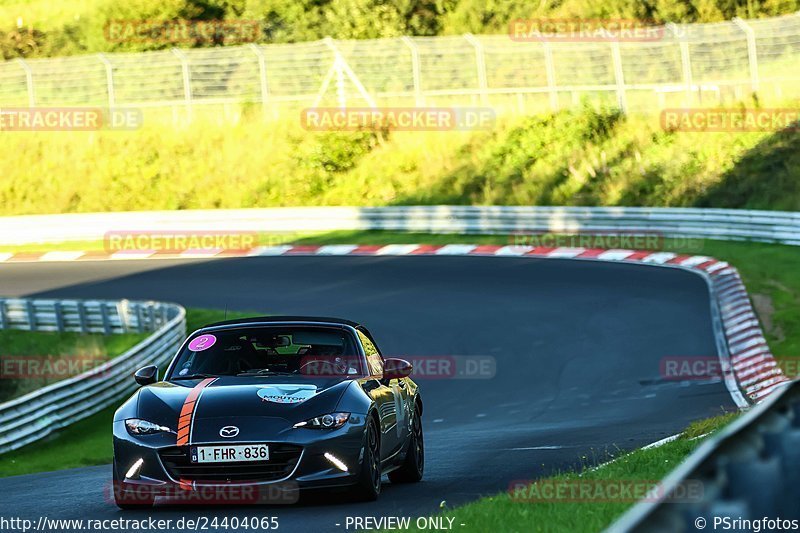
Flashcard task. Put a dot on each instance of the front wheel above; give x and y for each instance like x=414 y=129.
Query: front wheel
x=368 y=487
x=414 y=464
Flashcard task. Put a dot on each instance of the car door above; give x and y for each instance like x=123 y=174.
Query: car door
x=388 y=396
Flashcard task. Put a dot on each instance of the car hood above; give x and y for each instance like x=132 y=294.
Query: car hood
x=290 y=398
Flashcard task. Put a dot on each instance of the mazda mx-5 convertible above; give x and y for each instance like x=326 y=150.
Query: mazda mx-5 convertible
x=256 y=409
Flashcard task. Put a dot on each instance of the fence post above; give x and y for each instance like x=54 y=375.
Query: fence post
x=112 y=98
x=752 y=53
x=104 y=317
x=59 y=316
x=139 y=318
x=262 y=73
x=28 y=82
x=342 y=69
x=619 y=76
x=31 y=312
x=151 y=317
x=3 y=320
x=82 y=318
x=480 y=65
x=187 y=81
x=686 y=62
x=550 y=72
x=416 y=71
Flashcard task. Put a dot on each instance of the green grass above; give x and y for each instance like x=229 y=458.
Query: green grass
x=584 y=157
x=87 y=442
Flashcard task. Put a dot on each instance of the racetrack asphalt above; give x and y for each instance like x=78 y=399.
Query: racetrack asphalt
x=577 y=347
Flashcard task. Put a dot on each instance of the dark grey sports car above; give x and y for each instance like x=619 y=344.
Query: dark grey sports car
x=257 y=409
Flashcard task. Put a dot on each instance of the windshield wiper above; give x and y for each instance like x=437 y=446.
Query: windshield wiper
x=264 y=371
x=193 y=376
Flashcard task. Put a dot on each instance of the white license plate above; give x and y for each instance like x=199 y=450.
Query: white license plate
x=230 y=454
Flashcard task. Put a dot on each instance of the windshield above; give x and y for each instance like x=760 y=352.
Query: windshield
x=265 y=350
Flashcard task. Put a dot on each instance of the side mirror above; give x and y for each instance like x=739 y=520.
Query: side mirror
x=396 y=369
x=146 y=375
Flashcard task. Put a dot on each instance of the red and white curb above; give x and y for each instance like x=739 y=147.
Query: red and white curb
x=753 y=369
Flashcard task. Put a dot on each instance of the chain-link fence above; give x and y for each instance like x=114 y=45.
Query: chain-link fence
x=698 y=64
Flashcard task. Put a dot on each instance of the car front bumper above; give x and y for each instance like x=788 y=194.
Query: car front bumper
x=297 y=462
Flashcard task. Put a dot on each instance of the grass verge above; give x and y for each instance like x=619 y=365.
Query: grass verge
x=584 y=157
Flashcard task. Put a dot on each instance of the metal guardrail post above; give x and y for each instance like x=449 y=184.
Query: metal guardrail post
x=59 y=316
x=262 y=75
x=480 y=65
x=112 y=97
x=686 y=61
x=139 y=318
x=752 y=52
x=550 y=72
x=82 y=317
x=416 y=70
x=105 y=319
x=28 y=82
x=619 y=76
x=32 y=325
x=187 y=80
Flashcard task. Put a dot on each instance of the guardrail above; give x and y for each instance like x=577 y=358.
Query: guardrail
x=749 y=471
x=35 y=415
x=726 y=224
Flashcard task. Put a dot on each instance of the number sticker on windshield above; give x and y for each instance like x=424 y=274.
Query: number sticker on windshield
x=203 y=342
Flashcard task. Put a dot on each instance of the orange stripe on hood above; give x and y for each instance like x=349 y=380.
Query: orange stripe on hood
x=187 y=411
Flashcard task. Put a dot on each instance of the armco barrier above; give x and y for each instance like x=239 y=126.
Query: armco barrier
x=37 y=414
x=727 y=224
x=749 y=471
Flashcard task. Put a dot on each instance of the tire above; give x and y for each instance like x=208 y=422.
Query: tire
x=368 y=487
x=128 y=500
x=413 y=466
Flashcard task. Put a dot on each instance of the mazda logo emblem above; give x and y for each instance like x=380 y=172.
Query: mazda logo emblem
x=229 y=431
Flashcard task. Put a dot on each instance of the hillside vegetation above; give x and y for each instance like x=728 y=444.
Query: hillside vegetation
x=35 y=28
x=582 y=157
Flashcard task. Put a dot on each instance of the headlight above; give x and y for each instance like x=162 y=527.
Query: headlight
x=329 y=421
x=143 y=427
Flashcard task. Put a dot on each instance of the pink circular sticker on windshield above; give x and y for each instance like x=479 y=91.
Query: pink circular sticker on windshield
x=203 y=342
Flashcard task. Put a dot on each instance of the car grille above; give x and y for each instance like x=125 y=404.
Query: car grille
x=282 y=460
